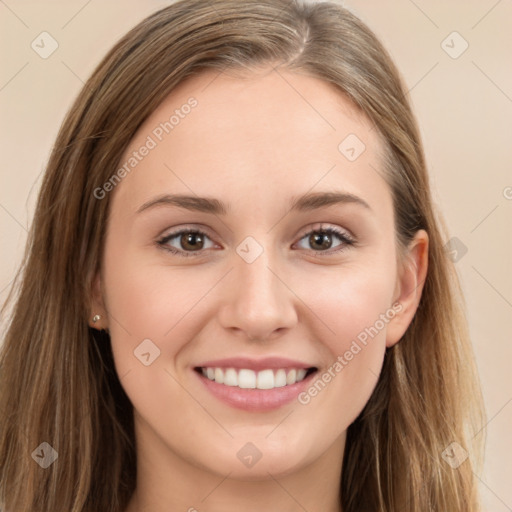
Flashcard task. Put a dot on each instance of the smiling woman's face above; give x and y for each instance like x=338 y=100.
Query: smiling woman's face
x=259 y=287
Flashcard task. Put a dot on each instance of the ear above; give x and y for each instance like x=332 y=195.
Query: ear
x=97 y=305
x=409 y=287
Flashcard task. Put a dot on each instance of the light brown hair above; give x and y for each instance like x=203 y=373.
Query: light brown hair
x=57 y=378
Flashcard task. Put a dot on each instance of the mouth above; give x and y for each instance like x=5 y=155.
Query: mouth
x=255 y=386
x=246 y=378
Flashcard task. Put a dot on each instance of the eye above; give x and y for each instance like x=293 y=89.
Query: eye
x=321 y=239
x=190 y=241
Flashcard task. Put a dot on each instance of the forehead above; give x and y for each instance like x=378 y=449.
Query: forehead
x=264 y=134
x=272 y=106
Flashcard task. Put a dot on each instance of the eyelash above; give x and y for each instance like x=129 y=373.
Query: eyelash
x=343 y=236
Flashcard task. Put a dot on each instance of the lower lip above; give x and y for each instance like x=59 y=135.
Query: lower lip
x=257 y=400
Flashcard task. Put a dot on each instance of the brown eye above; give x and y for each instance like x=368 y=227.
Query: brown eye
x=321 y=240
x=187 y=242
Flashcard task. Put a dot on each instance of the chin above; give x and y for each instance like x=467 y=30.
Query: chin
x=257 y=458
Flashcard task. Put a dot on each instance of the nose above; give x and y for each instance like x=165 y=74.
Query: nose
x=260 y=303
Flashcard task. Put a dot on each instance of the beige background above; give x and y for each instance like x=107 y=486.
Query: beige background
x=464 y=106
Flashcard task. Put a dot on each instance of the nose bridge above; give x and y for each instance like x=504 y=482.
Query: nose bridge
x=260 y=303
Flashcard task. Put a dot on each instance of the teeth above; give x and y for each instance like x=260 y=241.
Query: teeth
x=265 y=379
x=219 y=375
x=280 y=379
x=230 y=377
x=246 y=379
x=249 y=379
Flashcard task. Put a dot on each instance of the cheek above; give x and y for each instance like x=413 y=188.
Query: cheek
x=350 y=302
x=154 y=312
x=141 y=305
x=356 y=310
x=152 y=302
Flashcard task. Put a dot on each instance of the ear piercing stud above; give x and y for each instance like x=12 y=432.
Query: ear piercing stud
x=95 y=318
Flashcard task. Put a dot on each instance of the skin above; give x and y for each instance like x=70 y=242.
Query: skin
x=253 y=142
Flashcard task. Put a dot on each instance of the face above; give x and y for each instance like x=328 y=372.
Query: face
x=249 y=277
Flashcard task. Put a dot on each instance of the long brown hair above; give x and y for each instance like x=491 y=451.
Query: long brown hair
x=57 y=378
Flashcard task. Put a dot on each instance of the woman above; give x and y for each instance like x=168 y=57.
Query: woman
x=235 y=294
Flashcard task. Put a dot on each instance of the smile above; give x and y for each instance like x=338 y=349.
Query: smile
x=245 y=378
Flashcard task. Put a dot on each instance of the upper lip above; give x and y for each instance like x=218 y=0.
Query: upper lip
x=255 y=364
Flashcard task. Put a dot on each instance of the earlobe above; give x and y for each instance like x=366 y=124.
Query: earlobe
x=97 y=312
x=410 y=282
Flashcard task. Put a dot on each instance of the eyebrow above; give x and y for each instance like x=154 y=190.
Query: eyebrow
x=306 y=202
